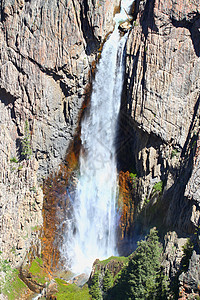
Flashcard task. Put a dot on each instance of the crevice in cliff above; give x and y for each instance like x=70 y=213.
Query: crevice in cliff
x=190 y=140
x=147 y=20
x=91 y=41
x=2 y=15
x=8 y=100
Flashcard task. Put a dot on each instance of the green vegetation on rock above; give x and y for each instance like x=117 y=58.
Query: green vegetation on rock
x=107 y=281
x=36 y=269
x=71 y=291
x=95 y=290
x=142 y=278
x=14 y=160
x=11 y=285
x=174 y=153
x=187 y=249
x=26 y=142
x=158 y=187
x=116 y=258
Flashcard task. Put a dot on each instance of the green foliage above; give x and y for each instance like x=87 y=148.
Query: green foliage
x=143 y=277
x=71 y=291
x=187 y=249
x=133 y=176
x=5 y=266
x=14 y=287
x=146 y=201
x=107 y=281
x=116 y=258
x=26 y=142
x=174 y=153
x=14 y=160
x=194 y=144
x=13 y=250
x=36 y=228
x=95 y=291
x=33 y=189
x=37 y=271
x=10 y=284
x=158 y=187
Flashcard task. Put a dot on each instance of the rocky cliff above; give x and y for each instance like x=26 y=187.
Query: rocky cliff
x=160 y=118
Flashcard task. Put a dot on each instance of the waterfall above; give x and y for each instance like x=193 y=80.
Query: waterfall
x=91 y=232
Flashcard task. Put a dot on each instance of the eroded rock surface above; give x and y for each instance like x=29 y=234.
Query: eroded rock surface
x=160 y=118
x=160 y=109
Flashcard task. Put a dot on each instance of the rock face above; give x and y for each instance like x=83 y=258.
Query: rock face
x=160 y=116
x=161 y=104
x=163 y=67
x=190 y=280
x=46 y=51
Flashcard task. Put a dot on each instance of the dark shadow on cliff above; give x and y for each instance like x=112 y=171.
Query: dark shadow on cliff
x=194 y=27
x=92 y=42
x=172 y=210
x=188 y=140
x=6 y=98
x=147 y=20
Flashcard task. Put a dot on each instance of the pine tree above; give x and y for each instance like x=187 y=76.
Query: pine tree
x=95 y=291
x=107 y=281
x=143 y=278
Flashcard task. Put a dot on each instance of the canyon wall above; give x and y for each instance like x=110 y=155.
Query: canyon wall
x=159 y=120
x=160 y=108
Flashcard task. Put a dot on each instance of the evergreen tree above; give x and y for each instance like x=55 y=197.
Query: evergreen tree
x=95 y=291
x=107 y=281
x=143 y=277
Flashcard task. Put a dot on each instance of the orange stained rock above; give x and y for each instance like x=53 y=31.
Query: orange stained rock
x=55 y=192
x=126 y=204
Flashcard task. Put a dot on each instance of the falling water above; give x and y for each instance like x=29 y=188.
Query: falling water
x=91 y=232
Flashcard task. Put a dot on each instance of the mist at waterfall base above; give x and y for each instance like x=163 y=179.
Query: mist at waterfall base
x=91 y=231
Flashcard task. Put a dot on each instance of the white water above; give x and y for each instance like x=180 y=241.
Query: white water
x=91 y=232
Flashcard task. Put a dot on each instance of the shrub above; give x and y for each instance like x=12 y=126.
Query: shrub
x=187 y=249
x=174 y=153
x=26 y=142
x=158 y=187
x=14 y=160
